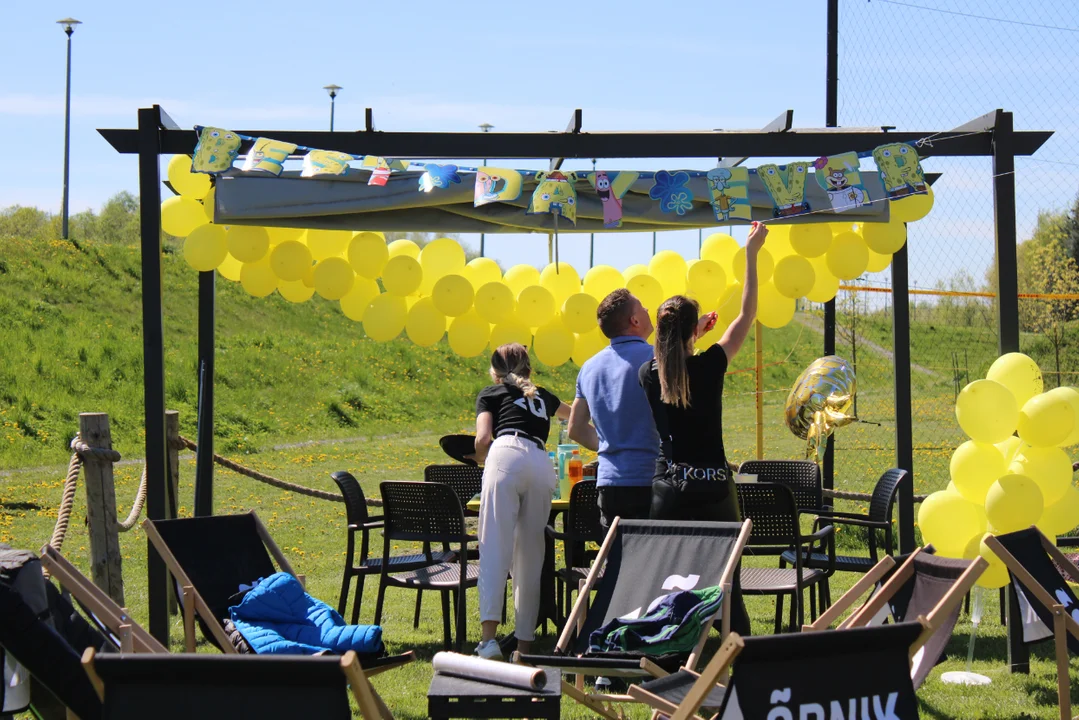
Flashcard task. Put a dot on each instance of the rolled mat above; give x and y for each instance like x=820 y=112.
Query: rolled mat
x=476 y=668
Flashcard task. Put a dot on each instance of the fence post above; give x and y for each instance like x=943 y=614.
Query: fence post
x=105 y=559
x=172 y=497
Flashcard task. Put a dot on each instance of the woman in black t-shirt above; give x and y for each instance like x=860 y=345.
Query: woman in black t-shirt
x=513 y=420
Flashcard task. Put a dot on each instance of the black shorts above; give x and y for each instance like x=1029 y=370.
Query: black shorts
x=696 y=499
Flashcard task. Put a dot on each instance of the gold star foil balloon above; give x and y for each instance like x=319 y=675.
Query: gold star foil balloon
x=821 y=401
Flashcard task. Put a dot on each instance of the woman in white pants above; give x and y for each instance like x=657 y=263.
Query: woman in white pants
x=513 y=420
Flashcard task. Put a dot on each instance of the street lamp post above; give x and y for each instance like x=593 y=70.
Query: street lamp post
x=485 y=127
x=69 y=27
x=332 y=90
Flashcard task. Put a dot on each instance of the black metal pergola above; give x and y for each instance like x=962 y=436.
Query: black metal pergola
x=991 y=135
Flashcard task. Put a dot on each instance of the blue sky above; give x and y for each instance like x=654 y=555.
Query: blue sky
x=451 y=66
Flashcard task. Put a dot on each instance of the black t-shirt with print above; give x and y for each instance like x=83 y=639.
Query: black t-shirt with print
x=513 y=411
x=692 y=435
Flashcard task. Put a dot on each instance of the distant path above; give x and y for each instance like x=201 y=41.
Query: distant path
x=815 y=323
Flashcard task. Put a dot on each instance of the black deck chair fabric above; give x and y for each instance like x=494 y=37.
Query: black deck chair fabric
x=225 y=687
x=1026 y=547
x=648 y=560
x=933 y=577
x=675 y=687
x=862 y=672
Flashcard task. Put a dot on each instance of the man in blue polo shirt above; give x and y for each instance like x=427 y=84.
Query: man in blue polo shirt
x=609 y=395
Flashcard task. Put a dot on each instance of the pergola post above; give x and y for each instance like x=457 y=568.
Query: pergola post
x=831 y=119
x=904 y=427
x=151 y=121
x=204 y=457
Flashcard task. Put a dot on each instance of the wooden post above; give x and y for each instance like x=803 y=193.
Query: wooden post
x=105 y=559
x=172 y=496
x=758 y=336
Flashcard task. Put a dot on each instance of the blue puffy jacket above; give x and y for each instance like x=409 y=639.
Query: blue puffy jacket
x=278 y=618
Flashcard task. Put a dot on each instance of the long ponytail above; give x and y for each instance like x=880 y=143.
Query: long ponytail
x=675 y=322
x=510 y=365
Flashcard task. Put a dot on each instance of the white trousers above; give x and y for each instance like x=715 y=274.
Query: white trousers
x=518 y=481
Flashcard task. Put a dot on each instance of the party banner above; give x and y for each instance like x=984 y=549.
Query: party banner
x=611 y=188
x=268 y=156
x=438 y=176
x=839 y=176
x=216 y=151
x=325 y=162
x=497 y=185
x=672 y=191
x=556 y=194
x=729 y=188
x=786 y=184
x=900 y=170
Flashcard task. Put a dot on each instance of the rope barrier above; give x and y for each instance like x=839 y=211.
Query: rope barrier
x=845 y=495
x=63 y=515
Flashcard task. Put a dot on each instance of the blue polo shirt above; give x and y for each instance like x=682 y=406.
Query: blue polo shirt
x=628 y=441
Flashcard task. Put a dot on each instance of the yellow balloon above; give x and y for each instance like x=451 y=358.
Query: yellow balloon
x=205 y=248
x=309 y=276
x=1046 y=420
x=1014 y=502
x=1071 y=396
x=648 y=290
x=669 y=268
x=519 y=277
x=258 y=279
x=180 y=215
x=295 y=291
x=562 y=282
x=711 y=337
x=442 y=257
x=1009 y=448
x=810 y=240
x=974 y=467
x=719 y=248
x=588 y=344
x=912 y=208
x=949 y=521
x=730 y=306
x=481 y=271
x=765 y=265
x=779 y=242
x=230 y=268
x=848 y=257
x=354 y=304
x=535 y=306
x=706 y=278
x=774 y=310
x=385 y=317
x=208 y=205
x=368 y=254
x=601 y=280
x=553 y=344
x=328 y=243
x=453 y=295
x=425 y=324
x=877 y=262
x=279 y=235
x=404 y=247
x=996 y=575
x=1062 y=516
x=825 y=284
x=986 y=411
x=494 y=302
x=334 y=278
x=248 y=243
x=512 y=331
x=1019 y=373
x=402 y=275
x=793 y=276
x=884 y=238
x=185 y=182
x=290 y=260
x=1050 y=468
x=469 y=334
x=633 y=271
x=579 y=313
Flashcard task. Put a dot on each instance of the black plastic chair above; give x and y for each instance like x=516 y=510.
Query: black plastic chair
x=772 y=509
x=801 y=476
x=428 y=512
x=466 y=481
x=359 y=522
x=581 y=525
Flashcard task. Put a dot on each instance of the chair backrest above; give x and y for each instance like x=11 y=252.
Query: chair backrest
x=773 y=510
x=652 y=558
x=934 y=578
x=862 y=672
x=422 y=511
x=355 y=502
x=218 y=553
x=466 y=480
x=210 y=687
x=801 y=476
x=583 y=517
x=884 y=494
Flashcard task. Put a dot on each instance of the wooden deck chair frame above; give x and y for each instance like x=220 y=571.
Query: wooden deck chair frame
x=133 y=637
x=714 y=674
x=1063 y=623
x=370 y=702
x=603 y=703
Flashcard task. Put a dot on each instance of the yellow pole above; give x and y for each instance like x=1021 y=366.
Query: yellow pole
x=759 y=342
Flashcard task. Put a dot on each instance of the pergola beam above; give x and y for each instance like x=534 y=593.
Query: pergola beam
x=783 y=123
x=573 y=128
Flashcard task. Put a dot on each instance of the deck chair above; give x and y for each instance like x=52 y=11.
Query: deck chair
x=925 y=587
x=211 y=557
x=224 y=687
x=111 y=620
x=862 y=672
x=1030 y=557
x=645 y=560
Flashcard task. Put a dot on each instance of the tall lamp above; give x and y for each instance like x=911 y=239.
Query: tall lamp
x=69 y=28
x=485 y=127
x=332 y=90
